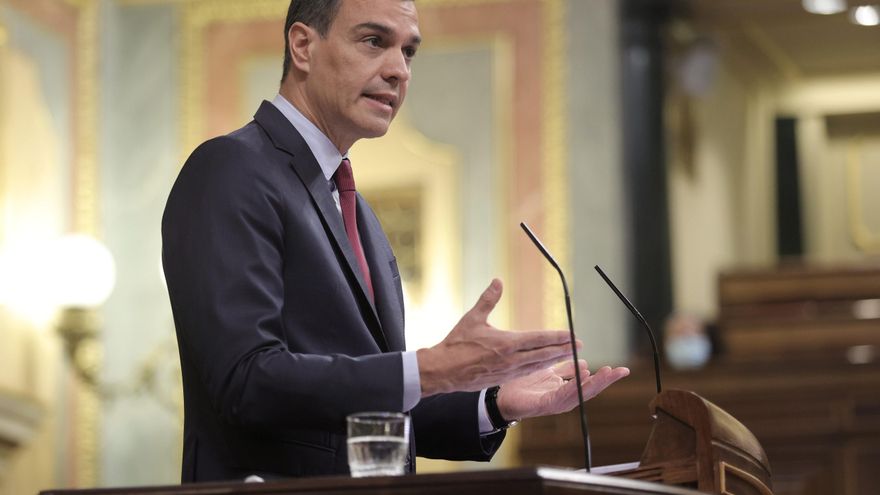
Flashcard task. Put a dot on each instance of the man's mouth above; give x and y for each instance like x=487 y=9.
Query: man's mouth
x=388 y=100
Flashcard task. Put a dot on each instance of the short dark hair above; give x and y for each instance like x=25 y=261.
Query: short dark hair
x=317 y=14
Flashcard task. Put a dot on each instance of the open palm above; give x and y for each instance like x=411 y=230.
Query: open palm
x=553 y=390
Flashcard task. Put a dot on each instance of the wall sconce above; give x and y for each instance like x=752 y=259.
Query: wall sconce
x=84 y=274
x=71 y=278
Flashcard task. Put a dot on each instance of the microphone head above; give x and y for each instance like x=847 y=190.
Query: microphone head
x=544 y=251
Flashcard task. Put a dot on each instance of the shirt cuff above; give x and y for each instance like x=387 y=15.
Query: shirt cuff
x=412 y=392
x=412 y=383
x=483 y=415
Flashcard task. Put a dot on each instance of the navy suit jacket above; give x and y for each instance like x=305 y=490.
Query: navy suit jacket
x=278 y=339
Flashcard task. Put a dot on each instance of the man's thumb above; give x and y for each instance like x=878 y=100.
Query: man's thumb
x=487 y=301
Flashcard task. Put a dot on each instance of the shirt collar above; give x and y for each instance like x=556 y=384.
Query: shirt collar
x=325 y=151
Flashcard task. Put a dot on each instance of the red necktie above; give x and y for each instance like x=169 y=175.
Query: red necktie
x=344 y=179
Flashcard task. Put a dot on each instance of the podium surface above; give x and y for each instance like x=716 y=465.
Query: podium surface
x=521 y=481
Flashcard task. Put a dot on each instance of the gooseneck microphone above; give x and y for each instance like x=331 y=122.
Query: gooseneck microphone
x=585 y=431
x=641 y=319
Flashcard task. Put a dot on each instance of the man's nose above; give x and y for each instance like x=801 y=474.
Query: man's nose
x=397 y=67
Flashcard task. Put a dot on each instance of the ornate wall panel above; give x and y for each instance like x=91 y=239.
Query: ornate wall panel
x=49 y=188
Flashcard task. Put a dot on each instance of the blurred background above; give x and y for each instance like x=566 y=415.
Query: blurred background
x=718 y=158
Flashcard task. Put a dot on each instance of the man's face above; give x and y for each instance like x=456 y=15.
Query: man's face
x=359 y=73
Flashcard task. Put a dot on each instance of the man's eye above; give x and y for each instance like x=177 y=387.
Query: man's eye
x=409 y=52
x=373 y=41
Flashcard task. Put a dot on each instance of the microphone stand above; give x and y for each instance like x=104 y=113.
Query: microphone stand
x=577 y=375
x=641 y=319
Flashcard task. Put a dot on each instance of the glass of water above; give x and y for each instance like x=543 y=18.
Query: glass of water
x=377 y=443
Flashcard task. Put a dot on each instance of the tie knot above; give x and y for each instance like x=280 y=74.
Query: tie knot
x=344 y=177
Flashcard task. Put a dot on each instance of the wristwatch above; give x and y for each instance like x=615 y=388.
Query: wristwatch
x=498 y=421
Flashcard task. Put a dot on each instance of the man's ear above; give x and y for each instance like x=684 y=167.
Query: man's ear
x=300 y=38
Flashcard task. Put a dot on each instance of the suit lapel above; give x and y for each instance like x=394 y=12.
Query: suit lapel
x=386 y=279
x=286 y=138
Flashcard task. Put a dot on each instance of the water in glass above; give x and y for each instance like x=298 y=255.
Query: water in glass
x=377 y=455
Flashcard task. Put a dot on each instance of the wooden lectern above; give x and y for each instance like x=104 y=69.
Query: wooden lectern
x=694 y=444
x=523 y=481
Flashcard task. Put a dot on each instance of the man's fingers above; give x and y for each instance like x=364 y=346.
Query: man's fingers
x=565 y=369
x=487 y=301
x=536 y=339
x=540 y=350
x=548 y=355
x=602 y=379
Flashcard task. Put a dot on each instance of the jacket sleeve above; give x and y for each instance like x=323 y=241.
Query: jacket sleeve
x=446 y=427
x=223 y=256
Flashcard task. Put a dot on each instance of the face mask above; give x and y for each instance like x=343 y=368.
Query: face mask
x=688 y=351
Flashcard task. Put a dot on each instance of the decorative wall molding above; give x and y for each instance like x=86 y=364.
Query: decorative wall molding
x=555 y=166
x=77 y=21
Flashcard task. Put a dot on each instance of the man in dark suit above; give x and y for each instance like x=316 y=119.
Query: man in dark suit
x=286 y=295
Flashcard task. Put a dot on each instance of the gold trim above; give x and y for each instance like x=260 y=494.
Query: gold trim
x=243 y=108
x=501 y=47
x=862 y=237
x=556 y=203
x=4 y=38
x=753 y=480
x=554 y=146
x=86 y=201
x=504 y=67
x=85 y=217
x=197 y=15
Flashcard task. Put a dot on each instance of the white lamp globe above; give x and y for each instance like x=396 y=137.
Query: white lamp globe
x=84 y=271
x=824 y=7
x=865 y=15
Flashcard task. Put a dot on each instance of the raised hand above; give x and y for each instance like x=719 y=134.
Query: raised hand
x=475 y=355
